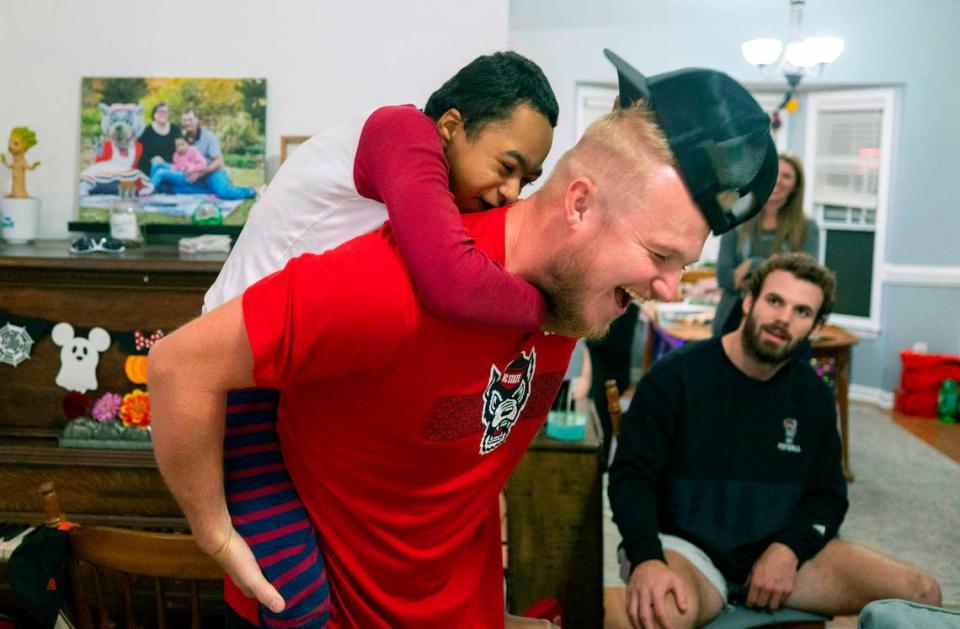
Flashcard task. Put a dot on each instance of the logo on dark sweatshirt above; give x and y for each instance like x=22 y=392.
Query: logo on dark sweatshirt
x=790 y=426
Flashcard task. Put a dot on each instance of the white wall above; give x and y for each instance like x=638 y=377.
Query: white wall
x=323 y=61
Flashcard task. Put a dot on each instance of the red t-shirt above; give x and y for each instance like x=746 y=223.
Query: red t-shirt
x=399 y=429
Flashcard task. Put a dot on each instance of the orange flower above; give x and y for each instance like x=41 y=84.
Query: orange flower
x=135 y=409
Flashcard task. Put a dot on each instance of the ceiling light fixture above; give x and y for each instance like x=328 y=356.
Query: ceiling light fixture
x=796 y=59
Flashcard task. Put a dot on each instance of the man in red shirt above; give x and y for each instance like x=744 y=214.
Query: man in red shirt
x=399 y=429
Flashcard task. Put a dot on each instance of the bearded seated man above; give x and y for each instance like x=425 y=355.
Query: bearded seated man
x=727 y=484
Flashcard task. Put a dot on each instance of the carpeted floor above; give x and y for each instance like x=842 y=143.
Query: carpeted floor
x=905 y=501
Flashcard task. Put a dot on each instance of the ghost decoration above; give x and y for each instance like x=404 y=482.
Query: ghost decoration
x=79 y=357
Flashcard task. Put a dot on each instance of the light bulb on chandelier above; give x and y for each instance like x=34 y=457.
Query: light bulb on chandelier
x=797 y=59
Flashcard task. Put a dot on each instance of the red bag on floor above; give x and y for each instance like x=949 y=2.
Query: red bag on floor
x=547 y=609
x=920 y=379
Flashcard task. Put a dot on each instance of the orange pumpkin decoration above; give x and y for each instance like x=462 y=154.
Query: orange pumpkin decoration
x=136 y=369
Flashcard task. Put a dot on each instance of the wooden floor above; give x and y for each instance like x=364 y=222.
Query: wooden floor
x=943 y=437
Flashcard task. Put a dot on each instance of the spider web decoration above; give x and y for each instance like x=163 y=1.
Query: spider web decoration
x=15 y=344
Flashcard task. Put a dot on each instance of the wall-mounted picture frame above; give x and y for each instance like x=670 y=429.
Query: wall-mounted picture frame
x=183 y=153
x=290 y=142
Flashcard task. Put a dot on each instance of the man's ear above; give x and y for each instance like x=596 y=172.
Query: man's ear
x=448 y=124
x=747 y=302
x=579 y=200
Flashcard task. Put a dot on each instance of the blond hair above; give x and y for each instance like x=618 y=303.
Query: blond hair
x=616 y=152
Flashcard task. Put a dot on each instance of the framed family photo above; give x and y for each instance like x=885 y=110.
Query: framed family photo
x=172 y=149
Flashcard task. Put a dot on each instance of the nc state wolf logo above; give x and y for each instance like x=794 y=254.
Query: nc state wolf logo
x=504 y=399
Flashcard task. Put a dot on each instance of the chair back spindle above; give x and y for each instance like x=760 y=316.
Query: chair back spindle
x=613 y=406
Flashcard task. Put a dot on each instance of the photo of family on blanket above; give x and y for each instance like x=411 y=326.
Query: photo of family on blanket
x=172 y=144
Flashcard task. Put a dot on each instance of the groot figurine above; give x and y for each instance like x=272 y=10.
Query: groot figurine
x=21 y=139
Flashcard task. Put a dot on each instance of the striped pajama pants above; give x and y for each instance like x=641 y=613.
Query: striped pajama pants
x=267 y=512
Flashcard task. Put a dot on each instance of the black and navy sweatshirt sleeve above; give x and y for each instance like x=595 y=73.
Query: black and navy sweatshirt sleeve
x=817 y=518
x=642 y=453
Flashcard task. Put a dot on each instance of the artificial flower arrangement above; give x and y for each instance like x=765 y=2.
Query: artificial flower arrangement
x=115 y=421
x=826 y=369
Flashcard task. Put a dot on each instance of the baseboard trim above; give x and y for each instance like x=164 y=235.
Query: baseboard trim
x=871 y=395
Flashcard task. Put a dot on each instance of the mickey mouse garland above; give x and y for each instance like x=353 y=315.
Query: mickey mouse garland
x=136 y=364
x=142 y=342
x=79 y=357
x=114 y=420
x=80 y=351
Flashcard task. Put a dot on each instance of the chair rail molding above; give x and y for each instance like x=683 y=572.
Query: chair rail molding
x=922 y=275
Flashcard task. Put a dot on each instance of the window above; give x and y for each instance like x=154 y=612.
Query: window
x=848 y=155
x=593 y=101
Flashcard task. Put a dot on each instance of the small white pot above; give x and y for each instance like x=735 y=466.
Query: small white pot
x=20 y=219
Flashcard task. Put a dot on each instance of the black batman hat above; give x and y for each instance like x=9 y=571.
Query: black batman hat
x=718 y=133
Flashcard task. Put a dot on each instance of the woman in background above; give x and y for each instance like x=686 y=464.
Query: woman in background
x=781 y=226
x=158 y=138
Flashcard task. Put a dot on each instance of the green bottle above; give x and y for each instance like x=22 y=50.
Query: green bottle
x=947 y=401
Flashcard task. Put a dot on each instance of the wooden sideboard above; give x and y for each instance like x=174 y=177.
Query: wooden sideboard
x=149 y=288
x=555 y=527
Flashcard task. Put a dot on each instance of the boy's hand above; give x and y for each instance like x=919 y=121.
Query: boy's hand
x=238 y=561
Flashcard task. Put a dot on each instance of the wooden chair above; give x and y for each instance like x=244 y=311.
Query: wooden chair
x=613 y=406
x=164 y=557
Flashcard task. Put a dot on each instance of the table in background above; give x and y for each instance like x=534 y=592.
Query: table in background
x=833 y=342
x=555 y=527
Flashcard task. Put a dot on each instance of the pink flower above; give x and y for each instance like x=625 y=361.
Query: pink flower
x=107 y=407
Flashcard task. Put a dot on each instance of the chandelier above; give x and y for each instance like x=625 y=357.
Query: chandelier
x=794 y=60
